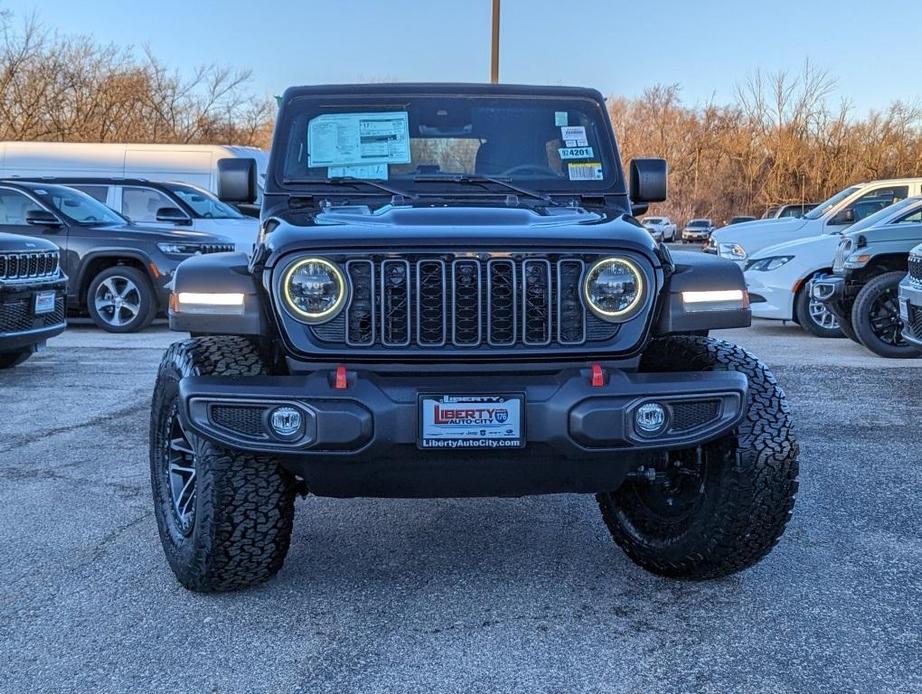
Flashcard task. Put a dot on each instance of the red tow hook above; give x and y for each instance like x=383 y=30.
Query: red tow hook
x=341 y=382
x=598 y=376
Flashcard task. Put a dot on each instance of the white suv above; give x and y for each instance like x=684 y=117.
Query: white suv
x=740 y=241
x=661 y=228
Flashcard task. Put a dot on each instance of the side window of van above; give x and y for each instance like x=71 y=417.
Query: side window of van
x=141 y=204
x=877 y=199
x=100 y=193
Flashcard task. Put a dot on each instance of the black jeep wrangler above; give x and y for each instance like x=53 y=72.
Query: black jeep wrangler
x=451 y=297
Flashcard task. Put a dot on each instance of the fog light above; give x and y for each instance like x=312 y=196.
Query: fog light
x=650 y=418
x=285 y=421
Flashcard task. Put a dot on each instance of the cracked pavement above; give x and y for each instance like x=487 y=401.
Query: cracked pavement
x=486 y=595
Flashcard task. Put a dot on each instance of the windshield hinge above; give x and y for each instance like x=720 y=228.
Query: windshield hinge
x=296 y=201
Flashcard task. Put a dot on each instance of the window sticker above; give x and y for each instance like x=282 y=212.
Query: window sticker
x=561 y=118
x=585 y=171
x=344 y=139
x=574 y=136
x=575 y=152
x=369 y=171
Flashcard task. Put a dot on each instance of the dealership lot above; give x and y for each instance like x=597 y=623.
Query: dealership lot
x=454 y=595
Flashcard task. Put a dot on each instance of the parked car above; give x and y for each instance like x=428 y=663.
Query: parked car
x=863 y=290
x=796 y=210
x=697 y=230
x=119 y=273
x=32 y=296
x=193 y=164
x=167 y=205
x=839 y=212
x=739 y=219
x=661 y=228
x=433 y=334
x=779 y=276
x=910 y=299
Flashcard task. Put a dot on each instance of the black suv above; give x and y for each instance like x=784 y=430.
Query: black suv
x=32 y=289
x=451 y=297
x=118 y=272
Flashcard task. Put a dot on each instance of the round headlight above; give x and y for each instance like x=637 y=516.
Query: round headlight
x=314 y=290
x=613 y=289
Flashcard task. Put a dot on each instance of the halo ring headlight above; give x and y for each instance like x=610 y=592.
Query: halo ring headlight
x=614 y=289
x=314 y=290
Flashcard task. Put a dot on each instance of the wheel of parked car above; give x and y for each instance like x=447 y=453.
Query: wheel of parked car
x=10 y=359
x=719 y=508
x=876 y=318
x=120 y=300
x=225 y=517
x=814 y=317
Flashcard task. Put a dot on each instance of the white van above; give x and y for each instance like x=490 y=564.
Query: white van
x=195 y=164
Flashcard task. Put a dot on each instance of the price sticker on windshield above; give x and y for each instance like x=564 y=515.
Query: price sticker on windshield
x=574 y=136
x=575 y=152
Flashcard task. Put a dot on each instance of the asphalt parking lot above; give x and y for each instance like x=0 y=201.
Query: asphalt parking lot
x=492 y=595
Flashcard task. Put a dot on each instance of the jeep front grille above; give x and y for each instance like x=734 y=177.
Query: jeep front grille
x=466 y=301
x=28 y=266
x=915 y=321
x=915 y=269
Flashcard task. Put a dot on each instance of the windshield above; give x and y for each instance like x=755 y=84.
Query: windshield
x=824 y=207
x=428 y=144
x=78 y=207
x=884 y=214
x=653 y=220
x=203 y=203
x=698 y=223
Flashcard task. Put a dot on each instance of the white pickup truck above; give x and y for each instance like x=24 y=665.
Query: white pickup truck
x=740 y=241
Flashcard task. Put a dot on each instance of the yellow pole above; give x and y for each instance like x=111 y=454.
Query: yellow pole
x=494 y=59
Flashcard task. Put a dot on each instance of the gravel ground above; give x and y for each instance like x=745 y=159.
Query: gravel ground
x=490 y=595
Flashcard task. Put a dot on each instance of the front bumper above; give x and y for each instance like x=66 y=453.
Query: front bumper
x=695 y=235
x=911 y=311
x=362 y=440
x=20 y=327
x=833 y=292
x=768 y=300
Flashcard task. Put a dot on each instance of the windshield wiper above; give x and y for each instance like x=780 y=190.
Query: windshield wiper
x=480 y=180
x=353 y=181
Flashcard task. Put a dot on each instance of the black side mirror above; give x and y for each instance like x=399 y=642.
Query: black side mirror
x=42 y=218
x=237 y=181
x=648 y=182
x=172 y=214
x=846 y=216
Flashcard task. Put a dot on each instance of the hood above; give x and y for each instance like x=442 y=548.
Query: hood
x=129 y=231
x=745 y=231
x=809 y=244
x=27 y=244
x=890 y=232
x=243 y=232
x=486 y=228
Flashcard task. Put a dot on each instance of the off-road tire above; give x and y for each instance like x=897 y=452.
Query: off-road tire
x=244 y=504
x=888 y=282
x=805 y=320
x=748 y=478
x=147 y=301
x=10 y=359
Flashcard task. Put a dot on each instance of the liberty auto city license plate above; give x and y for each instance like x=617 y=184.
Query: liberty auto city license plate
x=471 y=421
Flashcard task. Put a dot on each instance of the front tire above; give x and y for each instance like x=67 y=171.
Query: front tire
x=876 y=318
x=225 y=517
x=120 y=299
x=814 y=317
x=718 y=509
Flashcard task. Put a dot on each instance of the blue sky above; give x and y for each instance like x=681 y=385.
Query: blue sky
x=618 y=47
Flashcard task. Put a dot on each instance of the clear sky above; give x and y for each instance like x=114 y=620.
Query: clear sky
x=618 y=47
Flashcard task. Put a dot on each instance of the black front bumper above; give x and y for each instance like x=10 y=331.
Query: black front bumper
x=834 y=292
x=20 y=327
x=362 y=440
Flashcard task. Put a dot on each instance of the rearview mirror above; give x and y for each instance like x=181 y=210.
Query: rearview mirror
x=237 y=180
x=172 y=214
x=42 y=218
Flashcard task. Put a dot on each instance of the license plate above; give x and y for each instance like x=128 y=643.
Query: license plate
x=471 y=421
x=44 y=303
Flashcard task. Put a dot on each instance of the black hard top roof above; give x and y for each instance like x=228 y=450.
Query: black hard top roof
x=446 y=88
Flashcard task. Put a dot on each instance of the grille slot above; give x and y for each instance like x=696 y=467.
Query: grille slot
x=536 y=302
x=571 y=318
x=28 y=266
x=395 y=303
x=502 y=316
x=360 y=316
x=466 y=309
x=431 y=299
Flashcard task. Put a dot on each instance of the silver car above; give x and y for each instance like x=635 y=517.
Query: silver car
x=697 y=230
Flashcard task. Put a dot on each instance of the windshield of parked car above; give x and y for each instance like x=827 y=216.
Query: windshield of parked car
x=203 y=203
x=699 y=223
x=653 y=220
x=825 y=207
x=447 y=145
x=78 y=207
x=881 y=216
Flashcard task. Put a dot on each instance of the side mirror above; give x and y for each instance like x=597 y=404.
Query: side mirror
x=648 y=182
x=846 y=216
x=237 y=181
x=172 y=214
x=42 y=218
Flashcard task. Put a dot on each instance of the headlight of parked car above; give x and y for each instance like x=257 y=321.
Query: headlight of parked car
x=183 y=249
x=614 y=289
x=732 y=250
x=768 y=264
x=314 y=290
